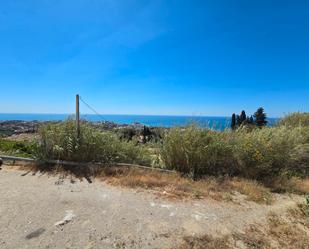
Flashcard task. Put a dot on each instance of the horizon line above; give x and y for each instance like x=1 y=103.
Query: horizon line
x=163 y=115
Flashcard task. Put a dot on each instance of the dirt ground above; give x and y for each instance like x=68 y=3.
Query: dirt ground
x=44 y=211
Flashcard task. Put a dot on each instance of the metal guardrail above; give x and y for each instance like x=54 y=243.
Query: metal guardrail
x=14 y=158
x=60 y=162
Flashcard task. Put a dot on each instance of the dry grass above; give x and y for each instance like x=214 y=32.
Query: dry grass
x=253 y=238
x=173 y=185
x=279 y=232
x=300 y=214
x=301 y=186
x=290 y=185
x=287 y=234
x=169 y=184
x=252 y=189
x=205 y=242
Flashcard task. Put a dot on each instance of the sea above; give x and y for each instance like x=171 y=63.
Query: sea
x=217 y=123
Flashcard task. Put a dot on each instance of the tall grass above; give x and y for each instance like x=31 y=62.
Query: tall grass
x=271 y=151
x=295 y=119
x=257 y=154
x=60 y=141
x=197 y=151
x=253 y=153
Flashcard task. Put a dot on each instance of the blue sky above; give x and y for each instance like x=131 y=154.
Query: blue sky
x=154 y=57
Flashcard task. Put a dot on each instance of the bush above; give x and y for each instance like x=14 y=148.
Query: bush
x=257 y=154
x=60 y=141
x=17 y=148
x=197 y=151
x=127 y=133
x=130 y=152
x=269 y=151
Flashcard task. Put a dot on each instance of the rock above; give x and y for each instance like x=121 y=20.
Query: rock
x=67 y=218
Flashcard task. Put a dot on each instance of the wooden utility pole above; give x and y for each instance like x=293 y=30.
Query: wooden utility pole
x=77 y=116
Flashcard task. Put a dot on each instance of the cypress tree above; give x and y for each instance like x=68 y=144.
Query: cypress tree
x=233 y=123
x=251 y=120
x=243 y=117
x=145 y=133
x=260 y=117
x=247 y=120
x=238 y=122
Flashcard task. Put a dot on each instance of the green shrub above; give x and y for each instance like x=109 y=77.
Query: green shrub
x=127 y=133
x=130 y=152
x=256 y=153
x=300 y=160
x=60 y=141
x=17 y=148
x=269 y=151
x=197 y=151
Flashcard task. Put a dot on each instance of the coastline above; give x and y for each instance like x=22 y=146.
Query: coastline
x=217 y=123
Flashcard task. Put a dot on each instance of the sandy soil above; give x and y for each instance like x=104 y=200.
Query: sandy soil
x=41 y=211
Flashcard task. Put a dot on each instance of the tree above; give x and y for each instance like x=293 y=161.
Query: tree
x=145 y=133
x=247 y=120
x=243 y=117
x=251 y=120
x=127 y=133
x=260 y=117
x=233 y=124
x=238 y=122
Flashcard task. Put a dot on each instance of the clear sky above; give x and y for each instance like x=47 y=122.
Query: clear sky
x=155 y=57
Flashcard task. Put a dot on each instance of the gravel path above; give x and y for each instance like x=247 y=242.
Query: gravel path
x=44 y=211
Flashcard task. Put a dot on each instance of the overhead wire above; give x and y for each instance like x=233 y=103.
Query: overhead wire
x=91 y=108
